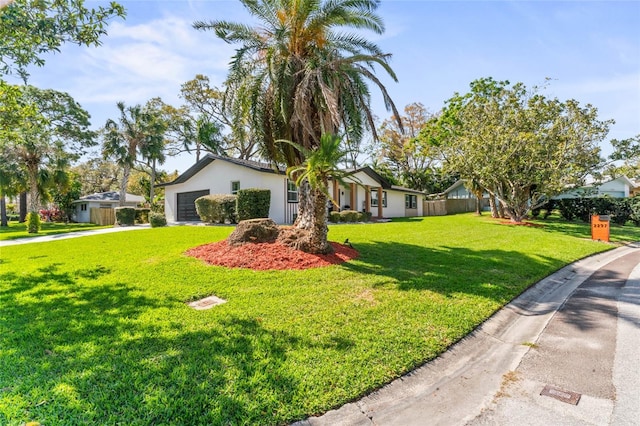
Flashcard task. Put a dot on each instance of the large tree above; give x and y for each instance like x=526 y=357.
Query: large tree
x=519 y=145
x=137 y=136
x=31 y=28
x=626 y=151
x=300 y=77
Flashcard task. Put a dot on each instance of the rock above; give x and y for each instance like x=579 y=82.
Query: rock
x=254 y=231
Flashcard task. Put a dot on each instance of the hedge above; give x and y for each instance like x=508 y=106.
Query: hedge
x=621 y=210
x=125 y=216
x=217 y=208
x=157 y=220
x=253 y=203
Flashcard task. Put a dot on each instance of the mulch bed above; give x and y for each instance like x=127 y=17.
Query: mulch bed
x=268 y=256
x=523 y=223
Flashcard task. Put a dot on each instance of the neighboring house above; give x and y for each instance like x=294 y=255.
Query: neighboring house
x=102 y=200
x=223 y=175
x=621 y=187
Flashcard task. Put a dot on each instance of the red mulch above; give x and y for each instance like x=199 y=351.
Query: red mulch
x=266 y=256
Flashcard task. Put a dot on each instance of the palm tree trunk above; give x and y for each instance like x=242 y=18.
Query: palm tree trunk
x=23 y=206
x=312 y=218
x=153 y=181
x=3 y=211
x=123 y=185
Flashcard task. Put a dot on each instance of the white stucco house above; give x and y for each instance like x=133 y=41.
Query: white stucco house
x=366 y=190
x=620 y=187
x=101 y=200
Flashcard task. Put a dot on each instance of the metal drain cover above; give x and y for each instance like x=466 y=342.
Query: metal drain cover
x=206 y=303
x=561 y=394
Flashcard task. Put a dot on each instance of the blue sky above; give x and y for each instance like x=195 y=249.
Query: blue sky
x=590 y=50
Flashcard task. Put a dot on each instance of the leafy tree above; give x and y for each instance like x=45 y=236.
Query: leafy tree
x=628 y=152
x=64 y=197
x=404 y=154
x=43 y=143
x=520 y=146
x=298 y=78
x=31 y=28
x=98 y=175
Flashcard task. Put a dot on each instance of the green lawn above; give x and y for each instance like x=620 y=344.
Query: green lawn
x=19 y=230
x=96 y=330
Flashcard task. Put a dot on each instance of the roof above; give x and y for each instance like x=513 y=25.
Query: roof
x=268 y=168
x=110 y=197
x=210 y=158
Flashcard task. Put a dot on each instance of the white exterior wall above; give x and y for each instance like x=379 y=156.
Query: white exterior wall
x=615 y=188
x=81 y=216
x=217 y=177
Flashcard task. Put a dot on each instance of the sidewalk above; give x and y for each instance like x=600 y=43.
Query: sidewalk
x=575 y=334
x=46 y=238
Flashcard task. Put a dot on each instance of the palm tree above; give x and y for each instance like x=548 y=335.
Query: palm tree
x=313 y=174
x=137 y=129
x=299 y=78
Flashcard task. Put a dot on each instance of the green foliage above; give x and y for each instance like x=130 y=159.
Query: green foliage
x=157 y=220
x=30 y=28
x=634 y=203
x=334 y=217
x=253 y=203
x=142 y=215
x=520 y=146
x=364 y=216
x=64 y=197
x=620 y=209
x=33 y=222
x=125 y=216
x=349 y=216
x=289 y=344
x=217 y=208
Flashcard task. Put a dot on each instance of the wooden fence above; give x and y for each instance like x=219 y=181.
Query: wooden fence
x=102 y=216
x=449 y=206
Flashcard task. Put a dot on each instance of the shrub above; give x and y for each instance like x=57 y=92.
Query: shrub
x=348 y=216
x=157 y=220
x=364 y=216
x=33 y=223
x=634 y=204
x=621 y=210
x=253 y=203
x=125 y=216
x=334 y=217
x=142 y=215
x=52 y=215
x=217 y=208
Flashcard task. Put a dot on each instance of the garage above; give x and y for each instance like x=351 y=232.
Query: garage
x=187 y=205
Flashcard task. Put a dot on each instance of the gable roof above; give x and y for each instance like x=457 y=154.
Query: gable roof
x=109 y=197
x=210 y=158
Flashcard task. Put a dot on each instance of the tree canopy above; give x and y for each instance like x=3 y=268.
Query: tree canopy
x=519 y=145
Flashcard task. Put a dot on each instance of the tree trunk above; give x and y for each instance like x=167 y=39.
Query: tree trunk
x=34 y=194
x=494 y=209
x=23 y=206
x=153 y=181
x=3 y=212
x=123 y=185
x=312 y=218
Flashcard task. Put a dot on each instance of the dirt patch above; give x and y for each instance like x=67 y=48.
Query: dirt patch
x=268 y=256
x=523 y=223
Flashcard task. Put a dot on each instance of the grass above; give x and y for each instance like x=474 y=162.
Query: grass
x=96 y=330
x=17 y=230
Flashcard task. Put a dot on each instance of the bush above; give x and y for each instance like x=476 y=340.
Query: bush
x=217 y=208
x=348 y=216
x=142 y=215
x=634 y=204
x=33 y=223
x=125 y=216
x=157 y=220
x=253 y=203
x=364 y=216
x=334 y=217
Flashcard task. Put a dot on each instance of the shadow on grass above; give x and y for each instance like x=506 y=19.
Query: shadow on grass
x=79 y=353
x=495 y=274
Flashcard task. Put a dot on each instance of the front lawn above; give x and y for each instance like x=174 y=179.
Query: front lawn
x=96 y=330
x=19 y=230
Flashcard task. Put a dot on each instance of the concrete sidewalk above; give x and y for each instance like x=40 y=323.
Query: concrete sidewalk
x=56 y=237
x=574 y=335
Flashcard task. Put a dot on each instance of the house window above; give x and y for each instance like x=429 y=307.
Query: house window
x=83 y=207
x=411 y=201
x=374 y=198
x=292 y=192
x=235 y=186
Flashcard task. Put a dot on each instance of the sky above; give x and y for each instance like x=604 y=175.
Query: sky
x=590 y=51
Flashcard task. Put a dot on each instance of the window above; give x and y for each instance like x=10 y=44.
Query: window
x=292 y=192
x=374 y=198
x=235 y=186
x=411 y=201
x=83 y=207
x=105 y=205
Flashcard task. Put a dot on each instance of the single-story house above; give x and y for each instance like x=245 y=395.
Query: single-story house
x=620 y=187
x=101 y=200
x=366 y=190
